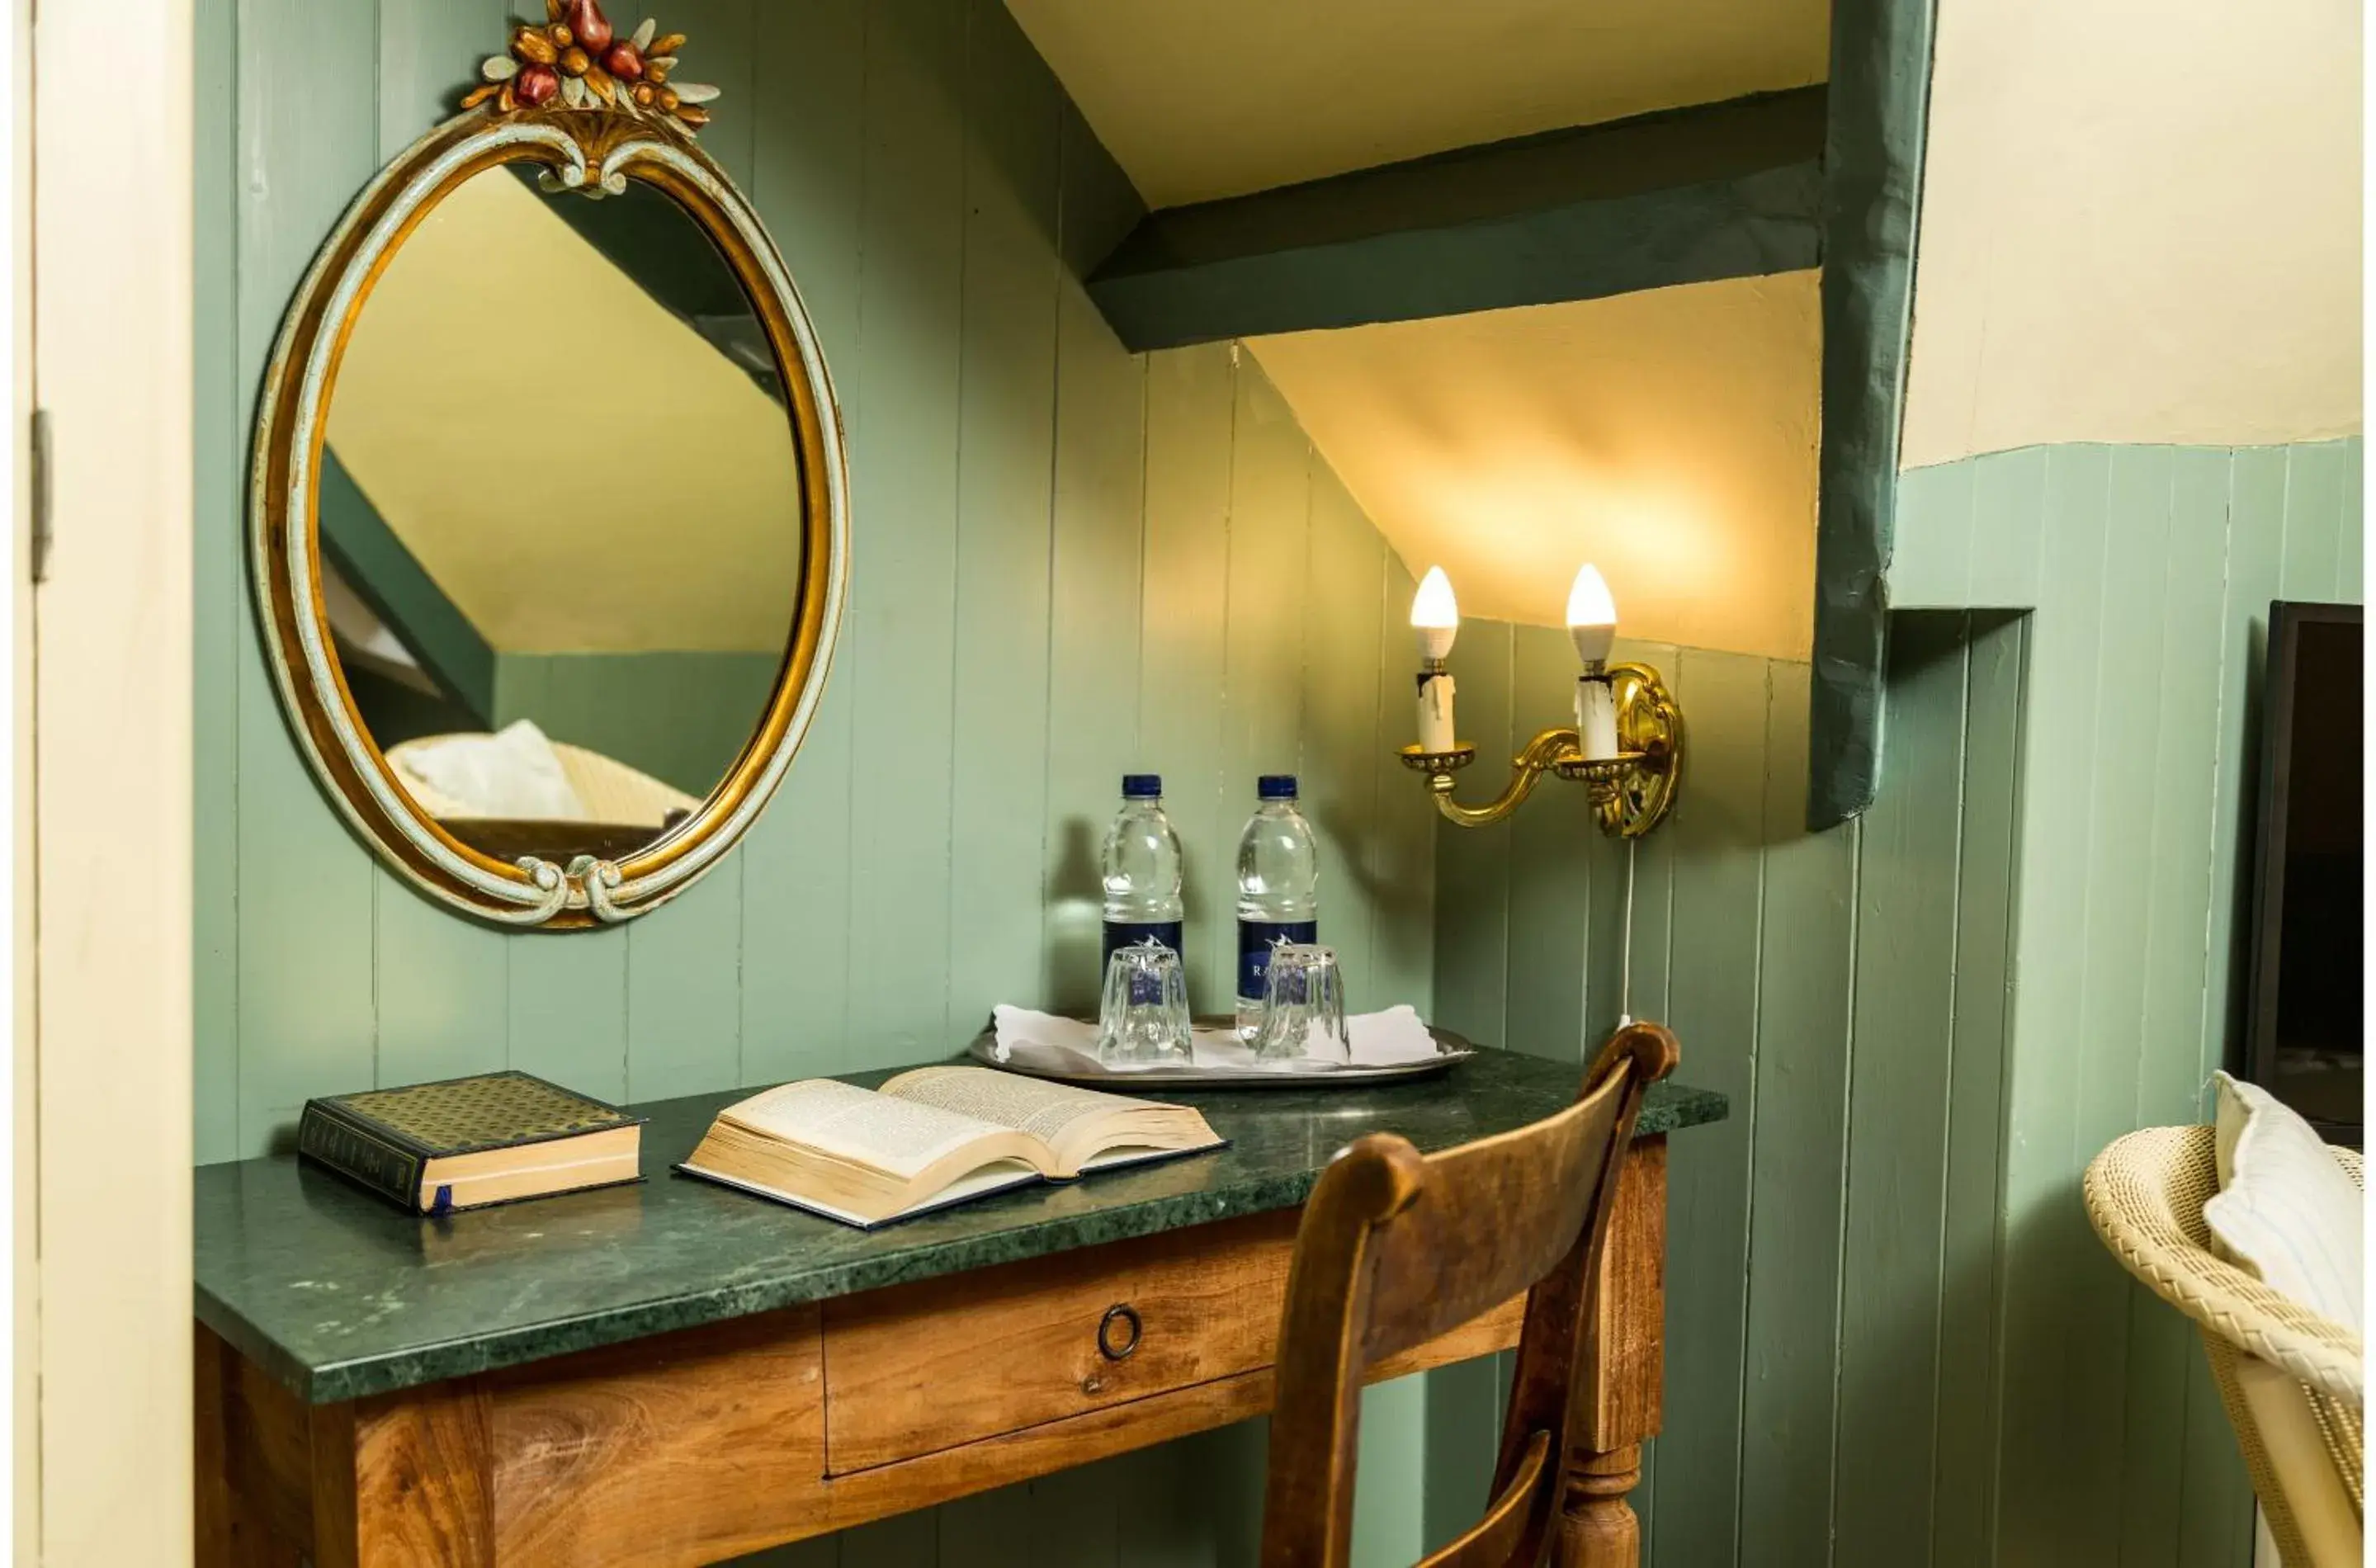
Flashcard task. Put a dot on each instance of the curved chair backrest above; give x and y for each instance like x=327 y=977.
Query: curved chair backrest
x=1395 y=1248
x=2293 y=1382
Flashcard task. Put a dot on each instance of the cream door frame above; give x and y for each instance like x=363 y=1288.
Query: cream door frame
x=106 y=1093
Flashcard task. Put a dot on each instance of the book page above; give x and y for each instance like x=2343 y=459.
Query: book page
x=1008 y=1099
x=900 y=1136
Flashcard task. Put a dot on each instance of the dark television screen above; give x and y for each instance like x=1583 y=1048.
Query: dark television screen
x=2304 y=1022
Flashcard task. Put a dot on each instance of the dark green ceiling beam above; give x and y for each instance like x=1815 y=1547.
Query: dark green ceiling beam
x=1686 y=195
x=1881 y=81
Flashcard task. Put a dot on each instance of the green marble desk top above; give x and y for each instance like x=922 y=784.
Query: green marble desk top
x=339 y=1294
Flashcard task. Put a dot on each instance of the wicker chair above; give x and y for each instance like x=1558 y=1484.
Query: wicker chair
x=2291 y=1379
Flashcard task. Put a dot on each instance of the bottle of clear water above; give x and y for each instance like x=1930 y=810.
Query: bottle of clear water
x=1141 y=865
x=1279 y=890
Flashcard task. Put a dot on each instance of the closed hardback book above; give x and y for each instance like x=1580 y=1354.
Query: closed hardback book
x=465 y=1143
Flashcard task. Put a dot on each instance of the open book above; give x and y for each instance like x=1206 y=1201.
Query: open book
x=931 y=1137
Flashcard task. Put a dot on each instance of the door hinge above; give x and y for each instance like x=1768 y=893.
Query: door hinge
x=39 y=457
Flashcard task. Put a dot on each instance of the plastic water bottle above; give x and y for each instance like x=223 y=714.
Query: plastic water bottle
x=1279 y=890
x=1141 y=864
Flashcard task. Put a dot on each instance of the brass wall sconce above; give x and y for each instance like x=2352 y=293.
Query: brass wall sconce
x=1626 y=746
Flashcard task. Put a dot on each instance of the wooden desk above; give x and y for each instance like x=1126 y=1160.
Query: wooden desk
x=674 y=1373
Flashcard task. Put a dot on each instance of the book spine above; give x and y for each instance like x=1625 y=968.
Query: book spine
x=355 y=1154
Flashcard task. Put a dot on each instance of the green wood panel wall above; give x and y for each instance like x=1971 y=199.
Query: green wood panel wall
x=1831 y=1251
x=1069 y=561
x=2148 y=570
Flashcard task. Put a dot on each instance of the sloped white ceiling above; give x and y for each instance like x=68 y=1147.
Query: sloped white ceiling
x=1216 y=98
x=2138 y=233
x=1669 y=437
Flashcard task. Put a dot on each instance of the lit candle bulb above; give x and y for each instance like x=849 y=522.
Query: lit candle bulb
x=1592 y=625
x=1435 y=617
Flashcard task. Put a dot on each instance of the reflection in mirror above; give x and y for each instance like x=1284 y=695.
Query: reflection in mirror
x=560 y=517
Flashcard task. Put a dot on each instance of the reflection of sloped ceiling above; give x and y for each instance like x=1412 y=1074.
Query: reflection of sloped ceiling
x=578 y=469
x=1223 y=97
x=1668 y=436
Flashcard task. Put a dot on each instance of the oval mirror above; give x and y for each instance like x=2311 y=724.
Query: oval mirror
x=550 y=529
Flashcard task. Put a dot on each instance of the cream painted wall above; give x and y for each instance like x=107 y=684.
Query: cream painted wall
x=577 y=468
x=1228 y=96
x=1668 y=436
x=2139 y=224
x=107 y=1148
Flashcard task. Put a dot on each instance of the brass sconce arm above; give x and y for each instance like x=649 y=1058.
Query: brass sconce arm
x=1545 y=753
x=1631 y=792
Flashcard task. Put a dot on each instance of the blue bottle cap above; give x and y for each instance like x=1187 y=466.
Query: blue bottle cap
x=1142 y=786
x=1275 y=787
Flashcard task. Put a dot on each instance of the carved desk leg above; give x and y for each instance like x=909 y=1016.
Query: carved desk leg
x=1624 y=1354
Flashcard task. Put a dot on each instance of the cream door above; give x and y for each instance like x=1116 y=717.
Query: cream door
x=100 y=288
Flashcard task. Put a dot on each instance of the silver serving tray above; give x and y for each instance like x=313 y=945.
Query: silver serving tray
x=1075 y=1068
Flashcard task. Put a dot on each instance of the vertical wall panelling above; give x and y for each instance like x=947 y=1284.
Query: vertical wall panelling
x=1006 y=499
x=1964 y=1466
x=308 y=139
x=2049 y=1244
x=1044 y=594
x=1828 y=1284
x=1093 y=632
x=2149 y=572
x=1546 y=961
x=568 y=1010
x=1340 y=704
x=1400 y=879
x=1185 y=588
x=1007 y=392
x=1798 y=1165
x=220 y=632
x=1898 y=1104
x=1713 y=1009
x=808 y=184
x=905 y=454
x=426 y=48
x=1262 y=675
x=2121 y=802
x=2160 y=1343
x=2314 y=492
x=685 y=1011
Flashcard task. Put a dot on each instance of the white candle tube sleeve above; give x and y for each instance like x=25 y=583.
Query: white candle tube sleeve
x=1595 y=718
x=1436 y=735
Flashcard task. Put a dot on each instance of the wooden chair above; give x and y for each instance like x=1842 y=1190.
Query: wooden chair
x=1395 y=1248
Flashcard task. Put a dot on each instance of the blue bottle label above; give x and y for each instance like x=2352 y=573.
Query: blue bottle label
x=1256 y=938
x=1121 y=933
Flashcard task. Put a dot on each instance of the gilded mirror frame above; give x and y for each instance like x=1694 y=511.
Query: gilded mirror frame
x=583 y=152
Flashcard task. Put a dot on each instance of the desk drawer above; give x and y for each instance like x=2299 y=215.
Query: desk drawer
x=923 y=1367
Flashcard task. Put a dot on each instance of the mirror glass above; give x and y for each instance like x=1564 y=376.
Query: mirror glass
x=560 y=517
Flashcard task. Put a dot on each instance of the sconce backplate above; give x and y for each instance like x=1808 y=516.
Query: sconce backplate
x=1633 y=794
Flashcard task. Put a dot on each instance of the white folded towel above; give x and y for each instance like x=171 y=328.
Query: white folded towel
x=1379 y=1040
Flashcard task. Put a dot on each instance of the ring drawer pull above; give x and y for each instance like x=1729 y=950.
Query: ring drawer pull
x=1107 y=1337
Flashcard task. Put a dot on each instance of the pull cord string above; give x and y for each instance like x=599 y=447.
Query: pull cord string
x=1625 y=959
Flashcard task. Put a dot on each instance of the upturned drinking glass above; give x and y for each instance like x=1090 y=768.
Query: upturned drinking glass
x=1143 y=1017
x=1304 y=1006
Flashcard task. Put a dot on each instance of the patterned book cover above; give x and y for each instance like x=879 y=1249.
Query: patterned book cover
x=383 y=1138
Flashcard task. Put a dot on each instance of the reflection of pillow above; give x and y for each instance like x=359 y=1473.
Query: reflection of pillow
x=2286 y=1210
x=514 y=773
